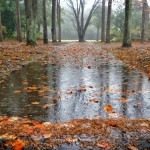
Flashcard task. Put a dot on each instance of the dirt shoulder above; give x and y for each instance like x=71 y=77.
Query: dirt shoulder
x=138 y=56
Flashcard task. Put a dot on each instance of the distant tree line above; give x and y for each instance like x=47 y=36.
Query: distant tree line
x=24 y=18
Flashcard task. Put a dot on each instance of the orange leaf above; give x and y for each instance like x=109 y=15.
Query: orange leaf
x=124 y=100
x=108 y=108
x=18 y=144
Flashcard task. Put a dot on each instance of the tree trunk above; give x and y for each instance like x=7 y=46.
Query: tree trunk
x=1 y=32
x=45 y=35
x=127 y=24
x=31 y=18
x=97 y=37
x=59 y=20
x=145 y=21
x=103 y=22
x=54 y=38
x=108 y=21
x=18 y=22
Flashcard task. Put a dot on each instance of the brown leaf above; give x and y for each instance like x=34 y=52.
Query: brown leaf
x=47 y=105
x=94 y=100
x=17 y=91
x=103 y=145
x=56 y=99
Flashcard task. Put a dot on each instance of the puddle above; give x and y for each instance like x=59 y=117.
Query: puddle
x=58 y=93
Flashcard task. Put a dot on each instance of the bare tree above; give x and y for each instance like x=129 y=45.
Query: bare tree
x=78 y=17
x=127 y=24
x=103 y=22
x=31 y=18
x=108 y=21
x=54 y=38
x=145 y=21
x=45 y=35
x=18 y=22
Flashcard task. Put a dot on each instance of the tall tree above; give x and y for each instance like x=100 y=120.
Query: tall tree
x=108 y=21
x=18 y=22
x=1 y=34
x=59 y=20
x=54 y=38
x=78 y=16
x=103 y=22
x=1 y=28
x=145 y=21
x=45 y=34
x=31 y=18
x=127 y=24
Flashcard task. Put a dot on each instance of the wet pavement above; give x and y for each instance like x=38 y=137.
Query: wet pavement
x=79 y=85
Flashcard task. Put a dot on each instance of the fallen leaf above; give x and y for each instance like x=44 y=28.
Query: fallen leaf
x=108 y=108
x=25 y=83
x=35 y=103
x=17 y=91
x=124 y=100
x=94 y=100
x=90 y=86
x=103 y=145
x=69 y=92
x=56 y=99
x=7 y=136
x=131 y=147
x=47 y=105
x=47 y=135
x=34 y=88
x=18 y=145
x=47 y=96
x=89 y=67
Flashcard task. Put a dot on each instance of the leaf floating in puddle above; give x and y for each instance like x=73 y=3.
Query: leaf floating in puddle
x=17 y=91
x=47 y=105
x=124 y=100
x=56 y=99
x=89 y=67
x=91 y=86
x=35 y=103
x=69 y=92
x=108 y=108
x=95 y=100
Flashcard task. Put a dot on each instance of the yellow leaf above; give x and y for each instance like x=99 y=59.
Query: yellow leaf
x=35 y=103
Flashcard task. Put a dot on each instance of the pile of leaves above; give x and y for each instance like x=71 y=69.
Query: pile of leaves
x=18 y=133
x=14 y=55
x=137 y=56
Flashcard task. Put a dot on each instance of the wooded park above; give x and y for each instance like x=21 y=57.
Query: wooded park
x=74 y=74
